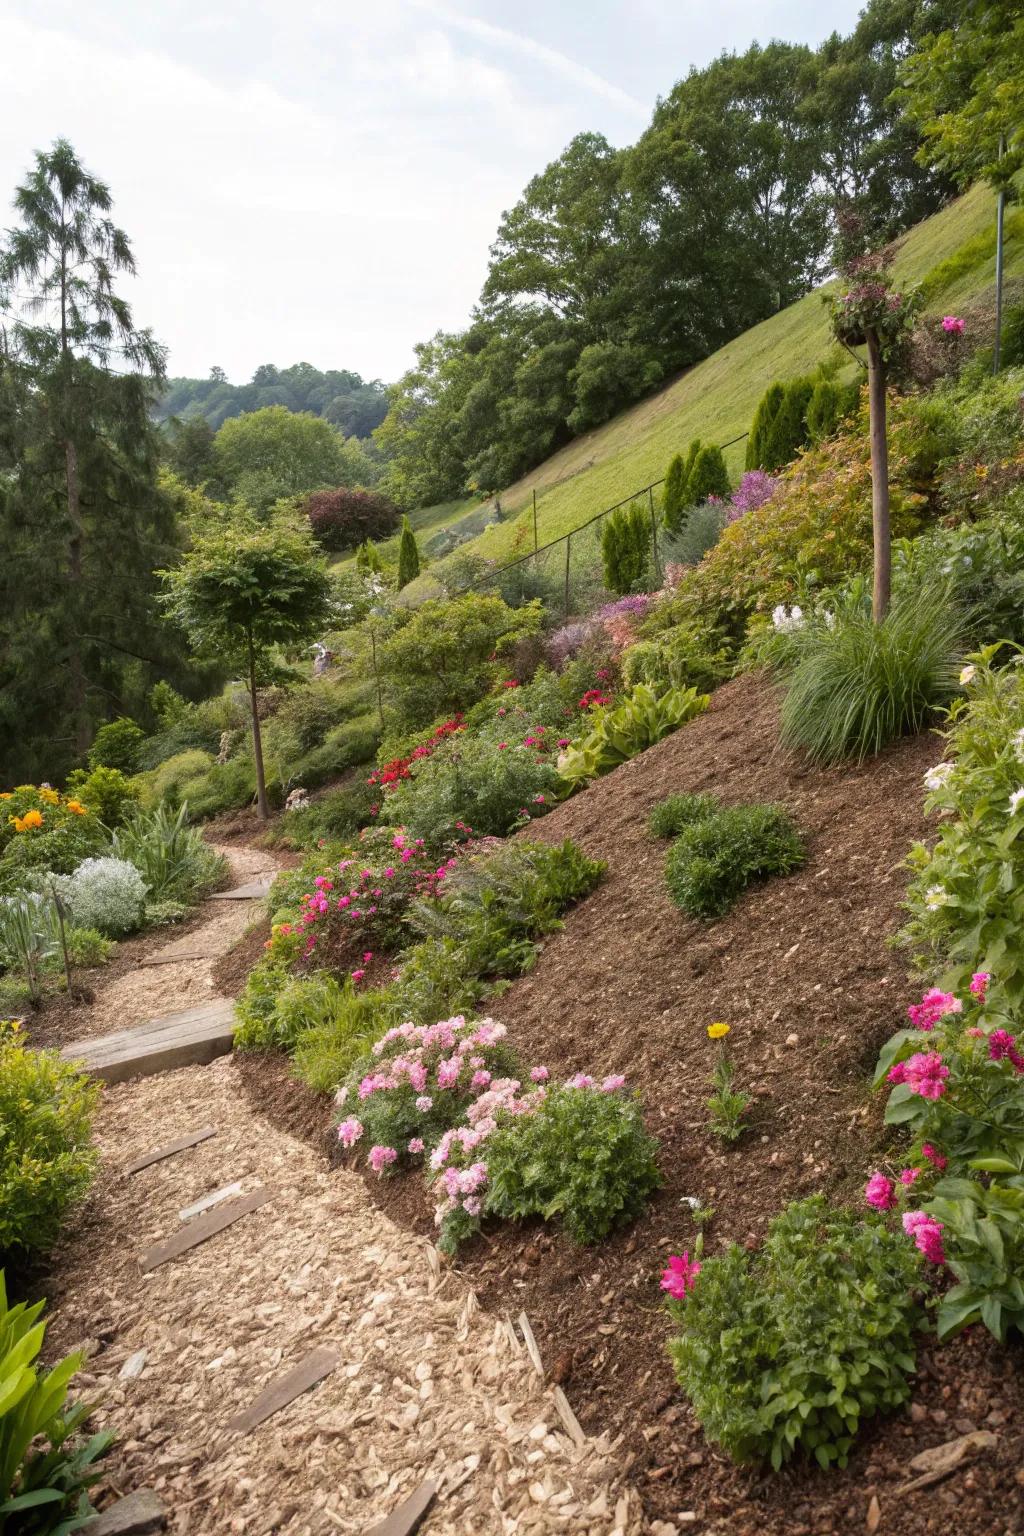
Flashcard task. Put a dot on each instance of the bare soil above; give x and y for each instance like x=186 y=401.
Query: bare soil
x=804 y=972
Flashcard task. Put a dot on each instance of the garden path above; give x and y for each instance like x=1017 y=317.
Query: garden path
x=427 y=1384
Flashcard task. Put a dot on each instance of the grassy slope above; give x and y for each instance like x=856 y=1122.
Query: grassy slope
x=716 y=399
x=425 y=521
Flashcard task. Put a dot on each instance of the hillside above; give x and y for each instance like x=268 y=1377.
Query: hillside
x=716 y=399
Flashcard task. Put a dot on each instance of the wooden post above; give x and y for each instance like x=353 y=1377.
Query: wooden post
x=376 y=674
x=59 y=907
x=879 y=479
x=263 y=809
x=654 y=534
x=568 y=546
x=1000 y=223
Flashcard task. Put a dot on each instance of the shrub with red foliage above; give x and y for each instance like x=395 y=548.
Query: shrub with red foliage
x=398 y=768
x=344 y=517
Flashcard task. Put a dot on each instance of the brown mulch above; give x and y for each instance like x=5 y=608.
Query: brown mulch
x=804 y=972
x=231 y=969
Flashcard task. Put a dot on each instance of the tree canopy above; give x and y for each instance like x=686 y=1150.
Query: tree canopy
x=352 y=404
x=271 y=454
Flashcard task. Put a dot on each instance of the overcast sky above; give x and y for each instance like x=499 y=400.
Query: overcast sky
x=320 y=180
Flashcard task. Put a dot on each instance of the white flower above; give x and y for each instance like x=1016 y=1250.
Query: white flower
x=830 y=619
x=968 y=675
x=1017 y=740
x=785 y=620
x=1015 y=800
x=936 y=777
x=935 y=897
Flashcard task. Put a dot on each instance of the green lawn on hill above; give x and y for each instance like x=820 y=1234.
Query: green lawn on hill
x=715 y=400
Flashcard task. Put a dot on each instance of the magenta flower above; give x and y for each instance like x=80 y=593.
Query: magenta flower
x=933 y=1005
x=879 y=1192
x=926 y=1074
x=936 y=1159
x=381 y=1157
x=416 y=1145
x=680 y=1276
x=979 y=984
x=927 y=1235
x=909 y=1175
x=539 y=1074
x=953 y=325
x=358 y=975
x=1001 y=1048
x=349 y=1131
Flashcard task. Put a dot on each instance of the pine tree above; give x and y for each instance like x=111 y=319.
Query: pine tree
x=672 y=497
x=764 y=415
x=787 y=433
x=368 y=559
x=626 y=549
x=408 y=556
x=709 y=476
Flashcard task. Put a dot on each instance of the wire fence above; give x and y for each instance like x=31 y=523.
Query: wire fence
x=568 y=572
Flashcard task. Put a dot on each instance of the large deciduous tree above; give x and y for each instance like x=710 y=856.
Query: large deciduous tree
x=268 y=455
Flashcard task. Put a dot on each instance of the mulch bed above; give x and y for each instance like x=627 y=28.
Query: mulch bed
x=231 y=969
x=804 y=972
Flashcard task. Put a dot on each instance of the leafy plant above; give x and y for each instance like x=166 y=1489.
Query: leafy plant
x=408 y=556
x=626 y=548
x=29 y=936
x=715 y=858
x=332 y=1027
x=793 y=1347
x=105 y=791
x=47 y=1160
x=681 y=657
x=854 y=685
x=117 y=745
x=727 y=1106
x=708 y=477
x=342 y=517
x=671 y=815
x=584 y=1156
x=491 y=787
x=620 y=732
x=108 y=894
x=44 y=1490
x=173 y=858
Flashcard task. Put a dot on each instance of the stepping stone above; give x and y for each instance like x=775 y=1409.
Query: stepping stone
x=181 y=1145
x=203 y=1228
x=254 y=891
x=181 y=957
x=317 y=1364
x=140 y=1514
x=195 y=1036
x=409 y=1514
x=208 y=1201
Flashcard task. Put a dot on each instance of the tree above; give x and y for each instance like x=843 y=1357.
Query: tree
x=268 y=455
x=759 y=439
x=189 y=449
x=444 y=655
x=786 y=433
x=408 y=556
x=626 y=540
x=343 y=518
x=83 y=517
x=673 y=497
x=708 y=477
x=247 y=587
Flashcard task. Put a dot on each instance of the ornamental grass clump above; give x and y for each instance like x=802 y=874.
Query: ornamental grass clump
x=714 y=859
x=672 y=814
x=853 y=685
x=793 y=1347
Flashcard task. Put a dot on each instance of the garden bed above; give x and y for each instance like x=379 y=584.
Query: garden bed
x=803 y=972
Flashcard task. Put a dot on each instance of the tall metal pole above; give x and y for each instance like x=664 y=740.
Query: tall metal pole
x=1000 y=221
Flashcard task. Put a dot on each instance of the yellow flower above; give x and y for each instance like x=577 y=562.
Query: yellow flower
x=30 y=819
x=49 y=795
x=76 y=807
x=6 y=795
x=718 y=1031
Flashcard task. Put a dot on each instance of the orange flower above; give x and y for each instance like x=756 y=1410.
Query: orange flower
x=26 y=823
x=76 y=807
x=6 y=795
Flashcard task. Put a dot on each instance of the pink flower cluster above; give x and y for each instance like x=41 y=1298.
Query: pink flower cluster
x=924 y=1073
x=953 y=325
x=1002 y=1047
x=880 y=1192
x=680 y=1276
x=373 y=894
x=979 y=985
x=933 y=1006
x=927 y=1235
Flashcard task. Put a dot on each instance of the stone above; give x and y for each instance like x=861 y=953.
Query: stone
x=139 y=1514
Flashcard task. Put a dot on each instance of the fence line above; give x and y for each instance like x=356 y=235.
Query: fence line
x=488 y=578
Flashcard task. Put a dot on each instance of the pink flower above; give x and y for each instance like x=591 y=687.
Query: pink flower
x=879 y=1192
x=539 y=1074
x=368 y=957
x=908 y=1175
x=424 y=1103
x=897 y=1074
x=680 y=1275
x=480 y=1080
x=418 y=1076
x=612 y=1082
x=979 y=984
x=952 y=325
x=472 y=1205
x=380 y=1157
x=389 y=873
x=406 y=855
x=349 y=1131
x=564 y=741
x=357 y=976
x=343 y=902
x=448 y=1071
x=1001 y=1048
x=416 y=1145
x=581 y=1080
x=935 y=1158
x=502 y=746
x=927 y=1235
x=926 y=1074
x=933 y=1005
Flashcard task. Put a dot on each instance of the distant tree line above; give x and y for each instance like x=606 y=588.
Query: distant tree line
x=618 y=268
x=341 y=397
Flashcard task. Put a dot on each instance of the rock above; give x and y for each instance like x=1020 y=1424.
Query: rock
x=133 y=1366
x=139 y=1514
x=918 y=1413
x=941 y=1460
x=874 y=1515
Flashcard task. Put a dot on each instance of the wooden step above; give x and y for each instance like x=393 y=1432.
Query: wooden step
x=192 y=1037
x=254 y=891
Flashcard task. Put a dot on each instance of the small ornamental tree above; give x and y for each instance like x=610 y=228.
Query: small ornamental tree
x=760 y=427
x=673 y=503
x=626 y=549
x=708 y=477
x=408 y=556
x=244 y=589
x=870 y=312
x=343 y=517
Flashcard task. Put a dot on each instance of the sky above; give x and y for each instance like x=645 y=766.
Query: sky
x=321 y=180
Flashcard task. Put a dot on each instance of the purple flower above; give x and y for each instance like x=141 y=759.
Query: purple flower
x=753 y=491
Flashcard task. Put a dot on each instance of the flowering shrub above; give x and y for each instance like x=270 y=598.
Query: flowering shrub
x=756 y=487
x=398 y=768
x=792 y=1347
x=956 y=1082
x=106 y=894
x=41 y=829
x=966 y=900
x=620 y=732
x=715 y=857
x=47 y=1160
x=358 y=904
x=473 y=783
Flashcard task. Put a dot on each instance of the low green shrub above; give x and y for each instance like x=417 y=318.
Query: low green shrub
x=87 y=947
x=173 y=858
x=715 y=858
x=107 y=792
x=852 y=686
x=672 y=814
x=793 y=1346
x=107 y=894
x=334 y=1035
x=621 y=731
x=46 y=1468
x=227 y=787
x=174 y=777
x=29 y=937
x=491 y=787
x=47 y=1159
x=584 y=1156
x=117 y=745
x=336 y=816
x=300 y=1003
x=344 y=747
x=626 y=548
x=678 y=658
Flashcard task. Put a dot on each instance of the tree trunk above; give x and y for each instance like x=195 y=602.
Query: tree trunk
x=76 y=540
x=257 y=740
x=879 y=480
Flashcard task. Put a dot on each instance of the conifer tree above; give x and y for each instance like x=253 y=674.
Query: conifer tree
x=408 y=556
x=709 y=476
x=673 y=503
